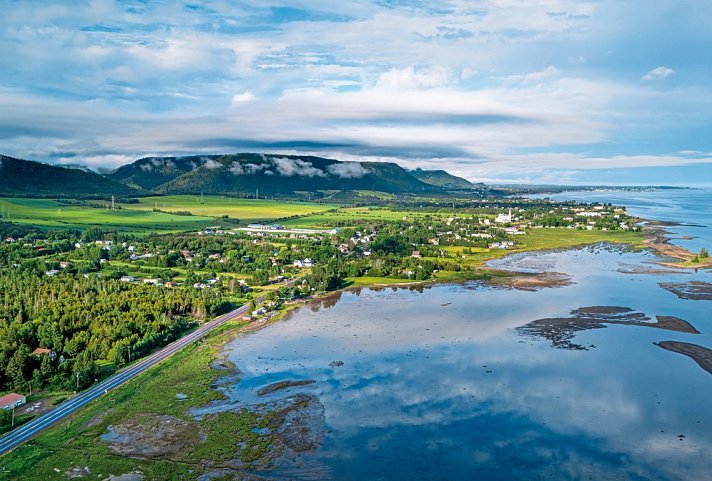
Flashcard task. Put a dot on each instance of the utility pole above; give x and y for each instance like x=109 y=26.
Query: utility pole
x=77 y=381
x=113 y=203
x=202 y=198
x=13 y=415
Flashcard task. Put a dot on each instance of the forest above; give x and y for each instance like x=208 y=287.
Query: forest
x=84 y=321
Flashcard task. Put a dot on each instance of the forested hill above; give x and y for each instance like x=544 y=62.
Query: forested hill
x=271 y=174
x=27 y=178
x=443 y=179
x=151 y=172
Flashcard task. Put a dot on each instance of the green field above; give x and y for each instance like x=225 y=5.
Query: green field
x=351 y=214
x=247 y=210
x=140 y=218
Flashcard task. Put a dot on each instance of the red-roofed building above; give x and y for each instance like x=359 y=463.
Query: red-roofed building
x=12 y=400
x=41 y=351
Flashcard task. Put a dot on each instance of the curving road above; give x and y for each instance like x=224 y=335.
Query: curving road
x=23 y=433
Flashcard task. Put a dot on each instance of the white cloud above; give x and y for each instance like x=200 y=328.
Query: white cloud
x=658 y=73
x=410 y=78
x=211 y=164
x=543 y=75
x=347 y=170
x=291 y=167
x=243 y=98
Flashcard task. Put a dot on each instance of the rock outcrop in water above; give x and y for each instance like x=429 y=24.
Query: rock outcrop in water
x=701 y=355
x=561 y=330
x=693 y=290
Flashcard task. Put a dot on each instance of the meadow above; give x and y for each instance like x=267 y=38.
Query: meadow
x=150 y=214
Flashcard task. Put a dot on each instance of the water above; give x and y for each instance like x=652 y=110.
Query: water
x=438 y=384
x=690 y=209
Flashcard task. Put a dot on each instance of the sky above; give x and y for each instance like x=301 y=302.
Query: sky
x=536 y=91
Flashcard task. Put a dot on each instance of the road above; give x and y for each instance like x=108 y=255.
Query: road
x=27 y=431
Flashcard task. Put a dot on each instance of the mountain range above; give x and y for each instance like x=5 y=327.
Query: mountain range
x=245 y=174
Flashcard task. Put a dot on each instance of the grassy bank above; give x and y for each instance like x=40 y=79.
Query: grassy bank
x=150 y=401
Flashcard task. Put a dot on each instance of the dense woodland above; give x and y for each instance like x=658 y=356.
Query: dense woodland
x=85 y=320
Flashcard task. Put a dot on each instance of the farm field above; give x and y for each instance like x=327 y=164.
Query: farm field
x=247 y=210
x=345 y=215
x=141 y=217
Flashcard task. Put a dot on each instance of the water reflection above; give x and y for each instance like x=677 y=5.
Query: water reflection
x=438 y=384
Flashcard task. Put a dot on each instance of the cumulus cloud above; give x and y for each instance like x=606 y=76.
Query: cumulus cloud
x=291 y=167
x=347 y=170
x=658 y=73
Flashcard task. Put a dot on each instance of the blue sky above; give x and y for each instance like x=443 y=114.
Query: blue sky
x=554 y=91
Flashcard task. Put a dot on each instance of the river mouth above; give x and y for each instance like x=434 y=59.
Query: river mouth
x=443 y=382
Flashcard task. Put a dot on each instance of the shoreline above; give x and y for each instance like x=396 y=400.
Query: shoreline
x=657 y=238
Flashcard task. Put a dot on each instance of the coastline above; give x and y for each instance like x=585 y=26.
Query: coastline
x=657 y=238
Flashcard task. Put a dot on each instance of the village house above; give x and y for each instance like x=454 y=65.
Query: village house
x=416 y=254
x=12 y=400
x=40 y=351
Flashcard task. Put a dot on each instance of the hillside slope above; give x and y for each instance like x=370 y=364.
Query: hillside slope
x=151 y=172
x=34 y=179
x=443 y=179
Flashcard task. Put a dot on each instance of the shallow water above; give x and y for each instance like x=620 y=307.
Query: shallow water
x=438 y=383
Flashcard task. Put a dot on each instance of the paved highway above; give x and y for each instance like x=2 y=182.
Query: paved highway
x=23 y=433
